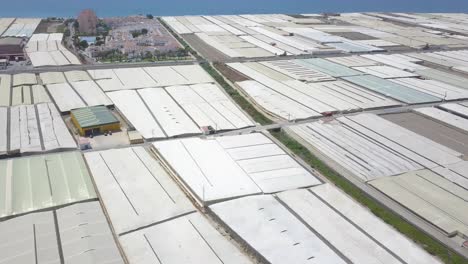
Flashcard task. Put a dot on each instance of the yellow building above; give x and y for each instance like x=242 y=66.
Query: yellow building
x=94 y=120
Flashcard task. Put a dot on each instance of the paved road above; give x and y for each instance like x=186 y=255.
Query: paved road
x=284 y=124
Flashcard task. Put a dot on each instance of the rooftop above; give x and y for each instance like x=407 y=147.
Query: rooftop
x=94 y=116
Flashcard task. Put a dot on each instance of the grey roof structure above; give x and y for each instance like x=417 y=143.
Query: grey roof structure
x=391 y=89
x=77 y=234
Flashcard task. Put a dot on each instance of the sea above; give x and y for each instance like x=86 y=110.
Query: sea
x=107 y=8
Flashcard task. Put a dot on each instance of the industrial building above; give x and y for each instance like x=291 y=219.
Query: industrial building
x=87 y=21
x=48 y=50
x=12 y=48
x=94 y=120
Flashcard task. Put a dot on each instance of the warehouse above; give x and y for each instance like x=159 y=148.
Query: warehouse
x=28 y=94
x=458 y=109
x=90 y=92
x=187 y=239
x=83 y=232
x=251 y=36
x=349 y=46
x=276 y=104
x=414 y=37
x=283 y=97
x=360 y=155
x=74 y=95
x=5 y=90
x=297 y=71
x=5 y=23
x=431 y=129
x=255 y=165
x=12 y=48
x=3 y=130
x=273 y=232
x=357 y=234
x=430 y=196
x=65 y=97
x=130 y=104
x=131 y=184
x=169 y=115
x=431 y=151
x=94 y=120
x=284 y=89
x=48 y=50
x=54 y=132
x=179 y=110
x=435 y=88
x=77 y=76
x=24 y=79
x=399 y=61
x=21 y=95
x=350 y=241
x=52 y=77
x=385 y=72
x=456 y=173
x=444 y=77
x=37 y=128
x=24 y=130
x=370 y=147
x=449 y=59
x=420 y=152
x=394 y=90
x=40 y=182
x=22 y=27
x=387 y=236
x=353 y=61
x=328 y=67
x=72 y=89
x=207 y=105
x=137 y=78
x=447 y=118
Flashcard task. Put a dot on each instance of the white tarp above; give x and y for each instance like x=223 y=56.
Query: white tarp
x=135 y=189
x=129 y=103
x=273 y=232
x=187 y=239
x=253 y=162
x=3 y=129
x=65 y=97
x=172 y=119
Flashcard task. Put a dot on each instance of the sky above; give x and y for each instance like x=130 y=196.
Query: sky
x=69 y=8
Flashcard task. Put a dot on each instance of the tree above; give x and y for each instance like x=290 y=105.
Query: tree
x=66 y=33
x=136 y=33
x=83 y=44
x=149 y=16
x=148 y=55
x=144 y=31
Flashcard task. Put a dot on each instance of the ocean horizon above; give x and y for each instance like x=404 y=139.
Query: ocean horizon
x=107 y=8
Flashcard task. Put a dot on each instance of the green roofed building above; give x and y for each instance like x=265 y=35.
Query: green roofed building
x=94 y=120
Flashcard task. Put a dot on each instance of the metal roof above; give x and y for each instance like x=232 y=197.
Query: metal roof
x=328 y=67
x=40 y=182
x=94 y=116
x=399 y=92
x=85 y=237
